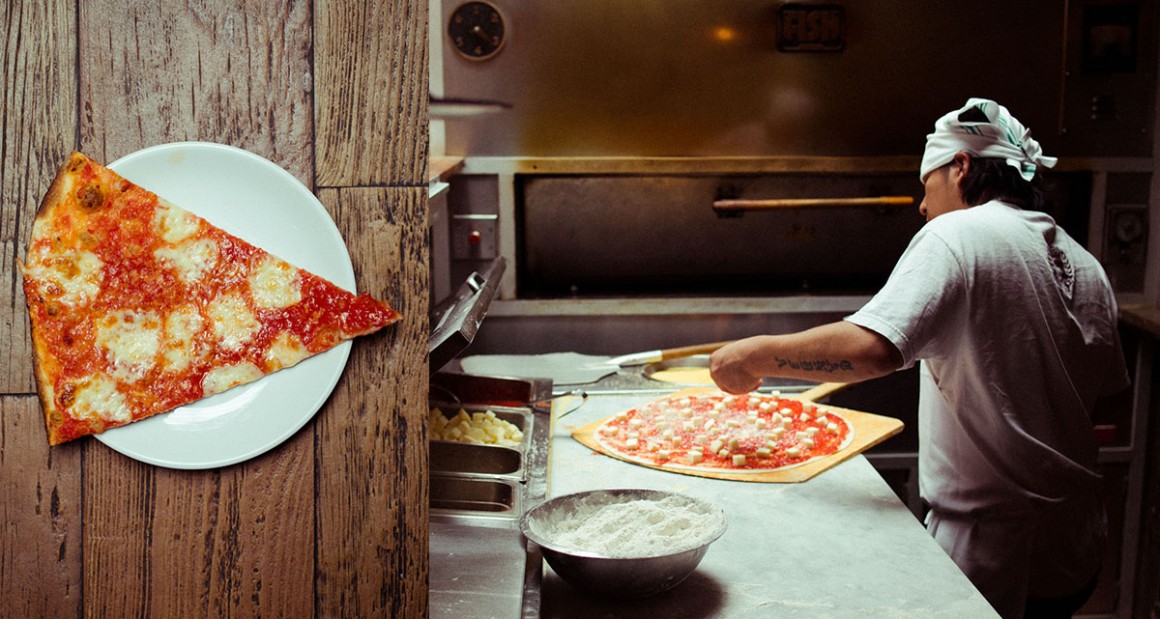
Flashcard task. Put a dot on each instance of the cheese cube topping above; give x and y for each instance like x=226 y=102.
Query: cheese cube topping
x=482 y=428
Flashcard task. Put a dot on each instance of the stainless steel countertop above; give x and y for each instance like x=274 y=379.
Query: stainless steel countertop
x=838 y=545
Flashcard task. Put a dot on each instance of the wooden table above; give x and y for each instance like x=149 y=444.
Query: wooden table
x=334 y=521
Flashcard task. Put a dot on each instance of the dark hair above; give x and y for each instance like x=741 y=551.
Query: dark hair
x=995 y=179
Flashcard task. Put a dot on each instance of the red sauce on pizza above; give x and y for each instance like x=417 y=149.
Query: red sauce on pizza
x=717 y=431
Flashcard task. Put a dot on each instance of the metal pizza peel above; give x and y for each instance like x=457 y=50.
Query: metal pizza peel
x=570 y=368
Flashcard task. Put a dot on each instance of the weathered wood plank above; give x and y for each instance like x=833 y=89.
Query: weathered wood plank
x=372 y=444
x=40 y=516
x=237 y=541
x=40 y=488
x=39 y=126
x=371 y=92
x=231 y=542
x=236 y=72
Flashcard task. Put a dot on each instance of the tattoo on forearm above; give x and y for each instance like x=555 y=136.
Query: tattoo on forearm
x=817 y=365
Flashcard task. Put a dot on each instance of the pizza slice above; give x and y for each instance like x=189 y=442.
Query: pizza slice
x=138 y=306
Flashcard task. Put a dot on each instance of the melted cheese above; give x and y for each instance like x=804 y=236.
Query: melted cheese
x=73 y=278
x=191 y=259
x=218 y=380
x=274 y=284
x=174 y=224
x=97 y=398
x=233 y=322
x=181 y=327
x=131 y=340
x=285 y=351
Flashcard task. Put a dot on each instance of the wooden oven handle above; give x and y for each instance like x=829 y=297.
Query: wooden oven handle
x=734 y=205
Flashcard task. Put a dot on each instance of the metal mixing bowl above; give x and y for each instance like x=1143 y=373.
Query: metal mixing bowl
x=619 y=576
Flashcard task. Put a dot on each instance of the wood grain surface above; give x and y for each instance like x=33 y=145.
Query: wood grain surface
x=332 y=522
x=39 y=106
x=375 y=69
x=375 y=443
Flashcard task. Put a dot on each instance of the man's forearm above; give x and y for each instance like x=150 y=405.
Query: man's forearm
x=835 y=352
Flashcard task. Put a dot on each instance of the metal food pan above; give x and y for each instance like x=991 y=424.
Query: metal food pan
x=498 y=498
x=469 y=459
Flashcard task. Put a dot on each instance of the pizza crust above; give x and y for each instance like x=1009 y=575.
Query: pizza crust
x=60 y=187
x=56 y=195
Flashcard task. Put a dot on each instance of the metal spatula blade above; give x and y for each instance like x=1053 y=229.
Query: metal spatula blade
x=655 y=356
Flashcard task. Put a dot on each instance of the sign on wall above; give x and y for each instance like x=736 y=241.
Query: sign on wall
x=811 y=28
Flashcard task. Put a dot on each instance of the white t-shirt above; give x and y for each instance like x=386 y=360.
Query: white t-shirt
x=1015 y=325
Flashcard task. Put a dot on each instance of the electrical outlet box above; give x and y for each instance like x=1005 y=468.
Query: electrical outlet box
x=474 y=236
x=1126 y=246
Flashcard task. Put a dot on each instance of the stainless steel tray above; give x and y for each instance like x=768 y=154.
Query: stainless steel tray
x=465 y=496
x=448 y=458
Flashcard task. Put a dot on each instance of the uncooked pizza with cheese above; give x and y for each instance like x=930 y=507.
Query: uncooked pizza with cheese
x=715 y=431
x=138 y=306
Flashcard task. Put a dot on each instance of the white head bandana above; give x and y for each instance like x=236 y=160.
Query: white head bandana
x=983 y=128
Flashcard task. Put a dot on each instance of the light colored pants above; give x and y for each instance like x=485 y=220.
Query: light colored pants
x=1049 y=554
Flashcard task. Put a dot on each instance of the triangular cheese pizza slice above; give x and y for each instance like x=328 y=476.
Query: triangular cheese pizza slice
x=138 y=306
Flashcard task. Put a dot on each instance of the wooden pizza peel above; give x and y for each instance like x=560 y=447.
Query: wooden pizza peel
x=869 y=430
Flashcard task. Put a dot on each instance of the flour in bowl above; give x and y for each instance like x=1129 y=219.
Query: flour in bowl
x=627 y=527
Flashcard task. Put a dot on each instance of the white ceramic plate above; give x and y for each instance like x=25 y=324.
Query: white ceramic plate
x=256 y=200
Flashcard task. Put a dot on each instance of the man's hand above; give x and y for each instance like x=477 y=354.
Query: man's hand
x=728 y=366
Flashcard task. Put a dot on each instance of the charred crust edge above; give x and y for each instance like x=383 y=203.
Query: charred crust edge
x=57 y=190
x=55 y=196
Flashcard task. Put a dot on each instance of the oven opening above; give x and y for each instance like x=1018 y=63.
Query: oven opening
x=662 y=236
